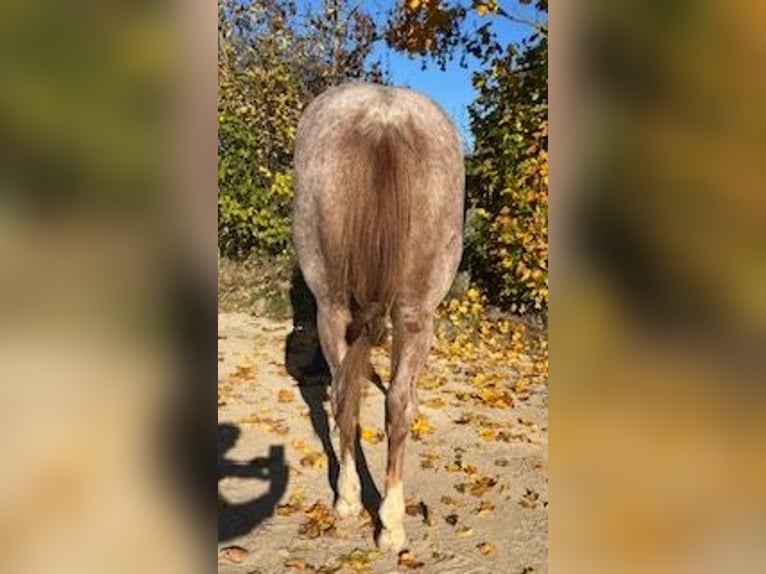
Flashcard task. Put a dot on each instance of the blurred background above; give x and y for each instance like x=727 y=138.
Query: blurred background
x=658 y=254
x=108 y=244
x=106 y=215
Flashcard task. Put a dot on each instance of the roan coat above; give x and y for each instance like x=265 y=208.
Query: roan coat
x=377 y=229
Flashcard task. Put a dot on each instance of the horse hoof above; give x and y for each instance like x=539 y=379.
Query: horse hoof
x=391 y=540
x=344 y=508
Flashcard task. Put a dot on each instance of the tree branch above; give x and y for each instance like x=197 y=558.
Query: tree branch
x=542 y=28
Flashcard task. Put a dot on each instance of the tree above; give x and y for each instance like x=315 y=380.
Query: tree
x=507 y=251
x=272 y=60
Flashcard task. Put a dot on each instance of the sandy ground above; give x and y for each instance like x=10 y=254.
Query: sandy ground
x=474 y=505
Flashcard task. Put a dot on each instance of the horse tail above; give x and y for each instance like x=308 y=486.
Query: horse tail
x=382 y=157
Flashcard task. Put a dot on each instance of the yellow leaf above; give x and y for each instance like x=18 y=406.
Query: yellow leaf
x=315 y=460
x=485 y=507
x=488 y=434
x=297 y=563
x=359 y=559
x=420 y=427
x=448 y=500
x=234 y=553
x=485 y=548
x=408 y=560
x=372 y=436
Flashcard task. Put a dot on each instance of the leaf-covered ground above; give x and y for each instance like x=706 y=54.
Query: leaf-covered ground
x=475 y=467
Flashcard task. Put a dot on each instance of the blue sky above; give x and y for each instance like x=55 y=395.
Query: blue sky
x=451 y=88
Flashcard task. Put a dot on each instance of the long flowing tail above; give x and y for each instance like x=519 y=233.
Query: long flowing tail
x=381 y=165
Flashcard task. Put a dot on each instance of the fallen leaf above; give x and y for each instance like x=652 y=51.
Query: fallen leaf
x=359 y=559
x=485 y=548
x=286 y=395
x=298 y=444
x=488 y=434
x=421 y=427
x=243 y=371
x=288 y=509
x=320 y=521
x=233 y=554
x=372 y=436
x=478 y=487
x=277 y=426
x=419 y=509
x=464 y=531
x=412 y=509
x=529 y=499
x=297 y=563
x=366 y=518
x=451 y=519
x=431 y=382
x=448 y=500
x=485 y=507
x=435 y=403
x=408 y=560
x=316 y=460
x=428 y=460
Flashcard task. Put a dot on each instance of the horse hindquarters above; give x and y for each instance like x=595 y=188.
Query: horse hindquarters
x=370 y=161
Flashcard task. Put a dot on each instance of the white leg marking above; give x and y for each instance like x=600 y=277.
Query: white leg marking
x=392 y=536
x=349 y=501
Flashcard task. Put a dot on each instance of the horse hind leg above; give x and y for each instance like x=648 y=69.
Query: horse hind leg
x=332 y=322
x=413 y=332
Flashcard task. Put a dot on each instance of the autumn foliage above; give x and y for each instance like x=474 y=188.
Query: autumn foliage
x=275 y=56
x=508 y=248
x=272 y=60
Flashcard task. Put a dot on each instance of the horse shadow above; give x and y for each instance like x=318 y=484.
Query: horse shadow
x=306 y=365
x=238 y=519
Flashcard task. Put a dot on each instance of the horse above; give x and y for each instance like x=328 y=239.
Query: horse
x=377 y=231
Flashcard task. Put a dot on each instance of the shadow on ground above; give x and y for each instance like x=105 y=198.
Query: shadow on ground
x=306 y=365
x=241 y=518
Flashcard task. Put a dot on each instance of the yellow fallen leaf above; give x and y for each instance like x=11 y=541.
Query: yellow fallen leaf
x=420 y=427
x=297 y=563
x=315 y=460
x=359 y=559
x=286 y=395
x=488 y=434
x=429 y=460
x=288 y=509
x=320 y=522
x=436 y=403
x=408 y=560
x=485 y=548
x=233 y=554
x=529 y=499
x=448 y=500
x=485 y=507
x=372 y=436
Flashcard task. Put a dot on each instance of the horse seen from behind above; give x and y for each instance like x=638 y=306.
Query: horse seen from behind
x=377 y=230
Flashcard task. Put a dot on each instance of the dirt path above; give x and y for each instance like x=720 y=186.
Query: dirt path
x=475 y=473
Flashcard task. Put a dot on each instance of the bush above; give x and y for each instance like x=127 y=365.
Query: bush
x=272 y=60
x=507 y=250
